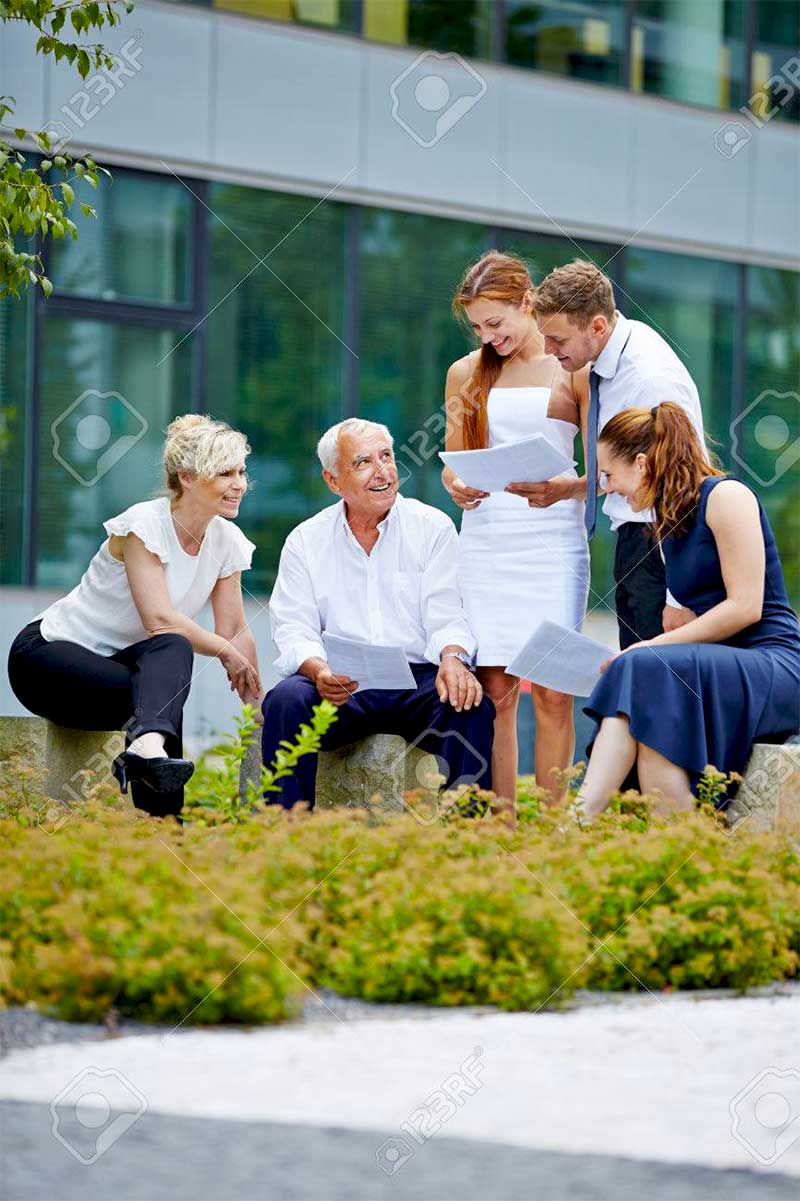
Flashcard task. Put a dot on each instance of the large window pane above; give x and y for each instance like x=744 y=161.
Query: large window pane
x=276 y=350
x=138 y=248
x=464 y=26
x=766 y=449
x=584 y=40
x=15 y=377
x=690 y=51
x=775 y=67
x=107 y=393
x=328 y=14
x=691 y=302
x=410 y=267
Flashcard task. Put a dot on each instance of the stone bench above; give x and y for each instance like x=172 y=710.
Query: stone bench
x=373 y=773
x=74 y=762
x=769 y=794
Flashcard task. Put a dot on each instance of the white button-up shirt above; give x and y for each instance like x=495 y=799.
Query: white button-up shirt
x=645 y=373
x=404 y=593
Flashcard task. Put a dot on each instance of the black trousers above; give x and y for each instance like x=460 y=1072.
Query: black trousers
x=461 y=741
x=641 y=591
x=140 y=689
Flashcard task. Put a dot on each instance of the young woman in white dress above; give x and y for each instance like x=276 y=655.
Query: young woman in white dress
x=523 y=553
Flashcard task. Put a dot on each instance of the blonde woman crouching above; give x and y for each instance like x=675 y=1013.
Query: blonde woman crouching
x=117 y=652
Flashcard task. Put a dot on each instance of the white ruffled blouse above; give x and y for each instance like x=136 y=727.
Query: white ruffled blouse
x=100 y=613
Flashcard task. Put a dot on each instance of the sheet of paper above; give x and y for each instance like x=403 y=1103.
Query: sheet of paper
x=372 y=666
x=531 y=460
x=559 y=658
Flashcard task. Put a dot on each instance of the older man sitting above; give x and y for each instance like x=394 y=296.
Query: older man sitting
x=381 y=568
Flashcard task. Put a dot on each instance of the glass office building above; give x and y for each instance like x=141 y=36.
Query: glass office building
x=255 y=289
x=348 y=316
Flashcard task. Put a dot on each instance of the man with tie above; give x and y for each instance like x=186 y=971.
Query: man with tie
x=631 y=365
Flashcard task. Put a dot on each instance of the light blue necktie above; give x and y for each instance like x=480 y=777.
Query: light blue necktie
x=590 y=513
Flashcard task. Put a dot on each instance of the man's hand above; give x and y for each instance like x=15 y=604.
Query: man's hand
x=337 y=689
x=541 y=496
x=673 y=619
x=456 y=684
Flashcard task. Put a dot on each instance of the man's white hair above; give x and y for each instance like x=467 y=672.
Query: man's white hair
x=328 y=445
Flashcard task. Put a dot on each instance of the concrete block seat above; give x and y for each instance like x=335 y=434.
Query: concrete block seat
x=74 y=762
x=769 y=794
x=383 y=765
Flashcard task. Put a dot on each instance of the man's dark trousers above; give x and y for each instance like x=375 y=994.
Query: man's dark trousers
x=462 y=741
x=641 y=591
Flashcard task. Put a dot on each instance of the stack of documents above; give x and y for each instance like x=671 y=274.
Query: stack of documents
x=371 y=666
x=529 y=461
x=562 y=659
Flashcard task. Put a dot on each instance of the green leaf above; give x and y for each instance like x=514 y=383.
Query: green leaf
x=46 y=286
x=69 y=194
x=87 y=210
x=45 y=164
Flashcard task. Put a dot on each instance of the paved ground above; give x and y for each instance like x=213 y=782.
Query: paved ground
x=663 y=1097
x=170 y=1157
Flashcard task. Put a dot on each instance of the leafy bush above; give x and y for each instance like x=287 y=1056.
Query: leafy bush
x=231 y=922
x=212 y=795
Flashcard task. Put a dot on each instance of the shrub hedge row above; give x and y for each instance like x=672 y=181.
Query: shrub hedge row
x=233 y=923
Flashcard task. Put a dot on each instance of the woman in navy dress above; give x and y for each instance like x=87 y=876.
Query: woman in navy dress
x=703 y=693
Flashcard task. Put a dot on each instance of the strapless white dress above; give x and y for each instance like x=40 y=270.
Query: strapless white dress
x=518 y=565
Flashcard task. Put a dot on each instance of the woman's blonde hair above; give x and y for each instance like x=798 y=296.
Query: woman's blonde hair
x=495 y=276
x=677 y=462
x=203 y=446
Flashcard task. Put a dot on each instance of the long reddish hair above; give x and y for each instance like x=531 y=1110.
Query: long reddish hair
x=677 y=461
x=495 y=276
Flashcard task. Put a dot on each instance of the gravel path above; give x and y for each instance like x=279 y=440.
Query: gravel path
x=26 y=1027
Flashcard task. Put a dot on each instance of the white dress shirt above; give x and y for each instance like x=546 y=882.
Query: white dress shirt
x=645 y=373
x=404 y=593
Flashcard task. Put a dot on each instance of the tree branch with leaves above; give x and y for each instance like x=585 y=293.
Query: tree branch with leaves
x=36 y=197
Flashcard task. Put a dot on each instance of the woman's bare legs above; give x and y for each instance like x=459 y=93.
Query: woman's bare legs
x=503 y=690
x=657 y=774
x=555 y=738
x=613 y=756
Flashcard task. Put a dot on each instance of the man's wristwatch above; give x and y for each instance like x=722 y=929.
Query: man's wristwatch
x=462 y=657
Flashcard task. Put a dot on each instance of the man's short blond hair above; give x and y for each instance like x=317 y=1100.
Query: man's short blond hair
x=579 y=290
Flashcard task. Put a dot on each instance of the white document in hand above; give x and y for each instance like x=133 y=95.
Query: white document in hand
x=562 y=659
x=531 y=460
x=372 y=666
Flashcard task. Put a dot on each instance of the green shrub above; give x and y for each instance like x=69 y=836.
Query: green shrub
x=233 y=922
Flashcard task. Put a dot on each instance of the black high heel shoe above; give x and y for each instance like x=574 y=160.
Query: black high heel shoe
x=162 y=775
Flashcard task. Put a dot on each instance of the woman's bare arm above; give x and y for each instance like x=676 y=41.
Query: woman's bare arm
x=733 y=518
x=148 y=586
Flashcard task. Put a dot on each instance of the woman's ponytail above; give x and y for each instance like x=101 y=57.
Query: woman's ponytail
x=677 y=461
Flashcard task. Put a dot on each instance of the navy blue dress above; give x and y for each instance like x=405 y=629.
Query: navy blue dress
x=706 y=703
